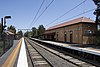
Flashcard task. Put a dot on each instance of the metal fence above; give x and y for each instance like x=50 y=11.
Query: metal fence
x=5 y=43
x=1 y=45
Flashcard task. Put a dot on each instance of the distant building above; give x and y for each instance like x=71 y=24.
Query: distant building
x=80 y=30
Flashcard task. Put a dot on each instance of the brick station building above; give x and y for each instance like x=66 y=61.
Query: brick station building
x=80 y=31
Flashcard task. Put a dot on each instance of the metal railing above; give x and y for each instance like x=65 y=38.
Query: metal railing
x=5 y=43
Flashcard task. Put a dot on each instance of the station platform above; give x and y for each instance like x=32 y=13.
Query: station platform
x=90 y=49
x=15 y=56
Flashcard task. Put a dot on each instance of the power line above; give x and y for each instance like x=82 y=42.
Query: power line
x=43 y=11
x=67 y=12
x=77 y=15
x=37 y=12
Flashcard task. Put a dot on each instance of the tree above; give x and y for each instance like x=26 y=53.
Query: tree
x=38 y=32
x=26 y=34
x=12 y=29
x=41 y=30
x=97 y=38
x=19 y=34
x=34 y=32
x=0 y=28
x=97 y=12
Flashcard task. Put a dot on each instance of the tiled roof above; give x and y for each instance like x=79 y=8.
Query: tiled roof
x=78 y=20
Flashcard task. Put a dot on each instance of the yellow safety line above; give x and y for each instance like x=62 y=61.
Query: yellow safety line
x=12 y=57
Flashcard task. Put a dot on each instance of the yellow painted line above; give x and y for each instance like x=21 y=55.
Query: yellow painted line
x=12 y=57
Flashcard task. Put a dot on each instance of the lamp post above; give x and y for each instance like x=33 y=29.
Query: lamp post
x=3 y=32
x=6 y=17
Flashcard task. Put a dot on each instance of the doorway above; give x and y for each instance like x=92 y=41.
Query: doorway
x=71 y=37
x=65 y=36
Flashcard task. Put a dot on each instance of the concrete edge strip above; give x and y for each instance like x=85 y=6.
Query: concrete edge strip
x=12 y=57
x=22 y=60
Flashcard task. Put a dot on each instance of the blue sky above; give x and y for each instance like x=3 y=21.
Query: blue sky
x=23 y=11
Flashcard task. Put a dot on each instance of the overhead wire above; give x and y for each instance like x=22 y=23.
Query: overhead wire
x=76 y=15
x=43 y=11
x=67 y=12
x=37 y=12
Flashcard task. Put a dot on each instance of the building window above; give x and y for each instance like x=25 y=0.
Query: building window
x=65 y=36
x=88 y=32
x=71 y=36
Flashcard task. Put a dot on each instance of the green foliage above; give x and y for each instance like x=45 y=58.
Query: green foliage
x=0 y=28
x=26 y=34
x=97 y=37
x=41 y=30
x=34 y=32
x=1 y=51
x=19 y=34
x=12 y=29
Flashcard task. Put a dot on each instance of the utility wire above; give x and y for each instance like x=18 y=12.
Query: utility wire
x=67 y=12
x=37 y=12
x=43 y=11
x=77 y=15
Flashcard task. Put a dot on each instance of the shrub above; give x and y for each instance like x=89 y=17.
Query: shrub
x=97 y=38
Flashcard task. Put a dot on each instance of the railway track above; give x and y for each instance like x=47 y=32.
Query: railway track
x=91 y=60
x=36 y=59
x=56 y=59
